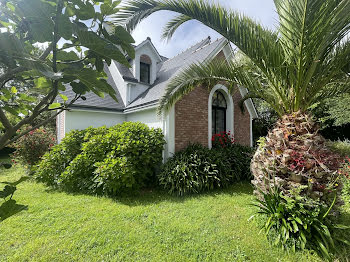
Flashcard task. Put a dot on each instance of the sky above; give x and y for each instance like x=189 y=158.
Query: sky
x=193 y=32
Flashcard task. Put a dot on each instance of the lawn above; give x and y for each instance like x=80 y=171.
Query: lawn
x=152 y=226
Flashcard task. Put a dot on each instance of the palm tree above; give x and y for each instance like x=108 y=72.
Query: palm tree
x=303 y=61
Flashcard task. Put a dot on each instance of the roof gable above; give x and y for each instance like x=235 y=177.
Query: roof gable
x=149 y=43
x=198 y=53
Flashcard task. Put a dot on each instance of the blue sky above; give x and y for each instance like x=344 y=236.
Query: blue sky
x=193 y=32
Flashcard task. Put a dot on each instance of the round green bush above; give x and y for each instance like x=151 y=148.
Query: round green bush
x=55 y=162
x=107 y=160
x=197 y=168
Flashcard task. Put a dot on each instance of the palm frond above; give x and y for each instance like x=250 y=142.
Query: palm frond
x=306 y=58
x=208 y=74
x=173 y=25
x=257 y=42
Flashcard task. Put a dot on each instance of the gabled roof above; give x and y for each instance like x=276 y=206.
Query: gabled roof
x=195 y=54
x=125 y=71
x=149 y=41
x=168 y=68
x=93 y=101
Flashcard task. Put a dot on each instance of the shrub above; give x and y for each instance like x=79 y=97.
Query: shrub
x=238 y=158
x=55 y=162
x=105 y=160
x=197 y=168
x=31 y=147
x=190 y=171
x=298 y=222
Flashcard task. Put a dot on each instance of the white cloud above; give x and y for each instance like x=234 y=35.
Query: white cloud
x=192 y=32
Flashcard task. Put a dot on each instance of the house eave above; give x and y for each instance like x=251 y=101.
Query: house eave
x=94 y=109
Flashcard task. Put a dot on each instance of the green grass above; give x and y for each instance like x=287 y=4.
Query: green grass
x=150 y=227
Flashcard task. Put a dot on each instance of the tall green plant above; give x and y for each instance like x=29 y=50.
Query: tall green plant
x=298 y=223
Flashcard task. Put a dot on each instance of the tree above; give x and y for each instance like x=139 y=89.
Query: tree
x=77 y=39
x=306 y=59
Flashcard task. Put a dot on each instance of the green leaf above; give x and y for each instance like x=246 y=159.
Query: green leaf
x=123 y=34
x=102 y=46
x=79 y=88
x=42 y=83
x=95 y=82
x=65 y=27
x=27 y=98
x=65 y=98
x=70 y=10
x=13 y=90
x=54 y=105
x=11 y=110
x=67 y=56
x=86 y=10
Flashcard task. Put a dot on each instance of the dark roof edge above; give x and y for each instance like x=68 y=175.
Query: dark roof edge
x=95 y=108
x=140 y=105
x=130 y=79
x=111 y=109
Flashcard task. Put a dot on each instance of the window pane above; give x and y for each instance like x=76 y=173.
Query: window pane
x=144 y=73
x=220 y=121
x=213 y=122
x=219 y=100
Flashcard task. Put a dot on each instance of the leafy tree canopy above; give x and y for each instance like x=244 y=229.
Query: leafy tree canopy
x=47 y=45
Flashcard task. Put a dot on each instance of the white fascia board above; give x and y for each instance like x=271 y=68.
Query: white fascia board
x=249 y=103
x=217 y=50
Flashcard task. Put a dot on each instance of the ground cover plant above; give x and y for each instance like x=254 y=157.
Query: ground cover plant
x=197 y=168
x=104 y=160
x=150 y=226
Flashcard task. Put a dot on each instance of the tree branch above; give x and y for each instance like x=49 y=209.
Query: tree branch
x=4 y=120
x=11 y=73
x=46 y=52
x=43 y=122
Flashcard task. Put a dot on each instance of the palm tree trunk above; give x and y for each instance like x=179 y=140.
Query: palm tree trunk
x=293 y=156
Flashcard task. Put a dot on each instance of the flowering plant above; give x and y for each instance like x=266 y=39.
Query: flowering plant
x=222 y=139
x=31 y=147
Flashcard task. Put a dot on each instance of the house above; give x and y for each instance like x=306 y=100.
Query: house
x=195 y=118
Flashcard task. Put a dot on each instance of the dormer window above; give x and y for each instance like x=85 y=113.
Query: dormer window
x=145 y=69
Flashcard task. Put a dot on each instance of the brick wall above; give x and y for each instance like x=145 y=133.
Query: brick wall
x=241 y=121
x=60 y=126
x=191 y=120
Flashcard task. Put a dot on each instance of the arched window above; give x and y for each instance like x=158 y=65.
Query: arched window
x=145 y=69
x=219 y=108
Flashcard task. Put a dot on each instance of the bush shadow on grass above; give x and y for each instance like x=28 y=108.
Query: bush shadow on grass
x=10 y=208
x=155 y=195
